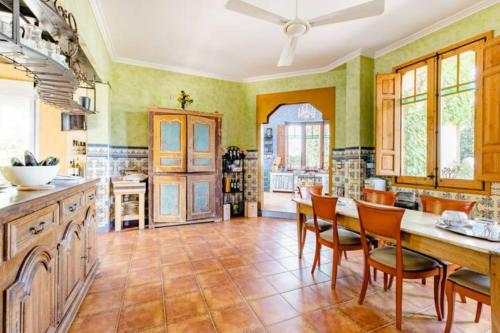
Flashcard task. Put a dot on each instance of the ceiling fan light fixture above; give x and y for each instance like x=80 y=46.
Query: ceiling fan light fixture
x=296 y=28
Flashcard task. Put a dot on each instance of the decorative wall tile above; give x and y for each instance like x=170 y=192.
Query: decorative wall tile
x=251 y=161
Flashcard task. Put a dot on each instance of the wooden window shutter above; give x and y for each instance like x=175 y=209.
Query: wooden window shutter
x=488 y=114
x=281 y=143
x=388 y=130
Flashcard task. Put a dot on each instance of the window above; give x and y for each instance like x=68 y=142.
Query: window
x=17 y=120
x=307 y=145
x=437 y=107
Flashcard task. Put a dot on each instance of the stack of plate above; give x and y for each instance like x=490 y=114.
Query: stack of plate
x=130 y=208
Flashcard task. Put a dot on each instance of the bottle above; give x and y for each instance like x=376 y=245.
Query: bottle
x=77 y=168
x=71 y=169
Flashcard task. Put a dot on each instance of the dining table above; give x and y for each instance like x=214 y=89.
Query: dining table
x=419 y=233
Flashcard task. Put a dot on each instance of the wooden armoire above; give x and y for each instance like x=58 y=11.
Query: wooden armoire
x=184 y=167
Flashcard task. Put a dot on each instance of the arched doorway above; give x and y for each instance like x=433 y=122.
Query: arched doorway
x=322 y=100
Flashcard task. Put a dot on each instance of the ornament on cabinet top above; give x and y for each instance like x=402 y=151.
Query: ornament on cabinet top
x=184 y=99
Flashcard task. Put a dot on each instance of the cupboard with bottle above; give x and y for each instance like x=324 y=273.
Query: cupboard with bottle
x=233 y=180
x=184 y=167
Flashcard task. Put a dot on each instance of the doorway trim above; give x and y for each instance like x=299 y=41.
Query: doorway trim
x=322 y=99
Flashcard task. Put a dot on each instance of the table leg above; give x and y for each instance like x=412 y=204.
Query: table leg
x=495 y=292
x=141 y=211
x=118 y=213
x=300 y=222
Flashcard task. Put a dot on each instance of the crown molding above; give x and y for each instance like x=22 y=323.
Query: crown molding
x=175 y=69
x=435 y=27
x=103 y=27
x=338 y=62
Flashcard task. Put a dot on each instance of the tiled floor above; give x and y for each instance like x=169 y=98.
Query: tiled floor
x=242 y=276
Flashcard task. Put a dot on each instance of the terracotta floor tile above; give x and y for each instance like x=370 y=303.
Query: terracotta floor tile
x=180 y=285
x=258 y=288
x=142 y=293
x=103 y=283
x=200 y=324
x=185 y=306
x=334 y=296
x=222 y=296
x=295 y=325
x=367 y=317
x=139 y=264
x=305 y=276
x=331 y=320
x=113 y=269
x=206 y=265
x=244 y=272
x=213 y=279
x=105 y=322
x=306 y=299
x=273 y=309
x=236 y=319
x=233 y=261
x=157 y=329
x=172 y=259
x=141 y=316
x=178 y=270
x=101 y=302
x=143 y=276
x=269 y=267
x=284 y=281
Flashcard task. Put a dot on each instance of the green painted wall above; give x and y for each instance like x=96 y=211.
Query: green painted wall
x=135 y=89
x=480 y=22
x=334 y=78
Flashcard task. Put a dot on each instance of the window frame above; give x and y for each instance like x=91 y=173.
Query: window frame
x=434 y=60
x=303 y=125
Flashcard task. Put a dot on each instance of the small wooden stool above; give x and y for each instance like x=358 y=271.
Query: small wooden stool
x=121 y=188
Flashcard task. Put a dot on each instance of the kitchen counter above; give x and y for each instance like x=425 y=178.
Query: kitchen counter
x=14 y=203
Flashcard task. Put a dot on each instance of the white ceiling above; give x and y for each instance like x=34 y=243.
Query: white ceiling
x=202 y=37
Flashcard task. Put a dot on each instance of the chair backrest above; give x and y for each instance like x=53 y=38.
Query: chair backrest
x=381 y=221
x=305 y=191
x=380 y=197
x=437 y=205
x=325 y=208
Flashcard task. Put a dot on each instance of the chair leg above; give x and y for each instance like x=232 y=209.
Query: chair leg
x=437 y=298
x=443 y=288
x=463 y=299
x=375 y=274
x=478 y=312
x=345 y=255
x=340 y=257
x=399 y=302
x=391 y=280
x=316 y=256
x=364 y=286
x=424 y=282
x=303 y=241
x=386 y=280
x=336 y=262
x=450 y=297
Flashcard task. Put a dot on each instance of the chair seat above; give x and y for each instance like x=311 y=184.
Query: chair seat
x=346 y=237
x=472 y=280
x=412 y=261
x=322 y=225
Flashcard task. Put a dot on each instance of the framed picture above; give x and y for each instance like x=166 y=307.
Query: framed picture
x=268 y=133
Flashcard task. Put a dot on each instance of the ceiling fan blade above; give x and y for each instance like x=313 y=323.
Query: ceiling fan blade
x=288 y=52
x=245 y=8
x=367 y=9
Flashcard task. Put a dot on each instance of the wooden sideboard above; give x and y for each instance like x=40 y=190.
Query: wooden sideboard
x=48 y=256
x=185 y=167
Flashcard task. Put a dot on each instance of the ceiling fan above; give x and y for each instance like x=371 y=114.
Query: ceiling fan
x=297 y=27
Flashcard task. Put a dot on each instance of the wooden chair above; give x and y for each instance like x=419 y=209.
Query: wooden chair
x=338 y=239
x=305 y=193
x=385 y=222
x=387 y=198
x=467 y=283
x=437 y=206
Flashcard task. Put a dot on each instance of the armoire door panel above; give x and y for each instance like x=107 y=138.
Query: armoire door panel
x=169 y=133
x=201 y=196
x=169 y=198
x=201 y=144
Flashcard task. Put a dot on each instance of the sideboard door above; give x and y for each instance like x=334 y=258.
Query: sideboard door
x=169 y=143
x=201 y=144
x=201 y=196
x=169 y=199
x=31 y=301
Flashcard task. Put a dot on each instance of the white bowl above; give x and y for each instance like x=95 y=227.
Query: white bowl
x=29 y=175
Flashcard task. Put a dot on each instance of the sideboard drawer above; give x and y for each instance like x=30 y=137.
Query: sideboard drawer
x=24 y=232
x=90 y=196
x=71 y=206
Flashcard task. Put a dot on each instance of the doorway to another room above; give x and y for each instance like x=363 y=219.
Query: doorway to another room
x=295 y=145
